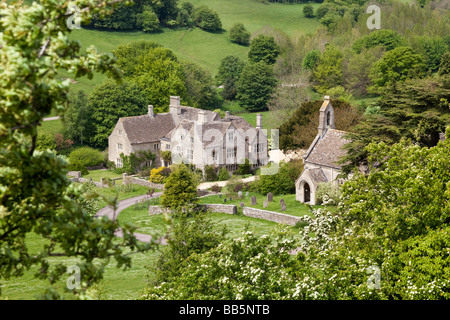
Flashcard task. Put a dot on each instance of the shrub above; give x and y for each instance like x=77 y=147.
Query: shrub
x=148 y=21
x=216 y=188
x=308 y=11
x=223 y=174
x=244 y=168
x=327 y=190
x=84 y=157
x=206 y=19
x=159 y=175
x=283 y=182
x=210 y=173
x=239 y=35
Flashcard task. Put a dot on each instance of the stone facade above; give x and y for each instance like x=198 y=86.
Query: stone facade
x=196 y=136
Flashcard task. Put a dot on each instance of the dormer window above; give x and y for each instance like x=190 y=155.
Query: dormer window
x=230 y=136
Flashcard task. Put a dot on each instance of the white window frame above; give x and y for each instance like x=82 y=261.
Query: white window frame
x=119 y=146
x=119 y=163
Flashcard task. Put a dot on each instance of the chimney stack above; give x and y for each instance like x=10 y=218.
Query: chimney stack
x=259 y=121
x=227 y=114
x=174 y=106
x=150 y=111
x=202 y=116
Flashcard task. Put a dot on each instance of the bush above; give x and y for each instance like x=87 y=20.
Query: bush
x=234 y=185
x=148 y=21
x=210 y=173
x=327 y=191
x=308 y=11
x=243 y=168
x=223 y=174
x=283 y=182
x=239 y=35
x=84 y=157
x=206 y=19
x=159 y=175
x=216 y=188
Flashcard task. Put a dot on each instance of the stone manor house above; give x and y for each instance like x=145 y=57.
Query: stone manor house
x=196 y=136
x=321 y=159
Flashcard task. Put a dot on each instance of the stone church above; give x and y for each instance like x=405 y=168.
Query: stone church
x=321 y=158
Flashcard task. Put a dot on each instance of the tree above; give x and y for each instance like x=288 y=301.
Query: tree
x=255 y=86
x=36 y=197
x=159 y=75
x=224 y=175
x=239 y=34
x=230 y=69
x=328 y=70
x=357 y=70
x=396 y=66
x=186 y=237
x=84 y=157
x=206 y=19
x=310 y=59
x=180 y=189
x=111 y=101
x=433 y=49
x=417 y=110
x=77 y=119
x=300 y=129
x=283 y=182
x=148 y=21
x=250 y=267
x=308 y=11
x=45 y=141
x=388 y=39
x=444 y=66
x=200 y=89
x=263 y=48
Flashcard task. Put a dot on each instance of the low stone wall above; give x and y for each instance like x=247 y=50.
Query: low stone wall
x=128 y=179
x=221 y=208
x=271 y=216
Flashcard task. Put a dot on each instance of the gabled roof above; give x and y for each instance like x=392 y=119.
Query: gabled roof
x=144 y=129
x=327 y=150
x=191 y=114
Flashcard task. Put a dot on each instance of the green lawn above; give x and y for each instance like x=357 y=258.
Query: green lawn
x=53 y=127
x=96 y=175
x=118 y=284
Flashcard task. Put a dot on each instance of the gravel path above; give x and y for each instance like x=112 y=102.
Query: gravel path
x=109 y=212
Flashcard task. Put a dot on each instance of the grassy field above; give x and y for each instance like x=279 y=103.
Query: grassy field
x=204 y=48
x=118 y=284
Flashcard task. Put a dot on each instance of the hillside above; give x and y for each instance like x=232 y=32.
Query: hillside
x=201 y=47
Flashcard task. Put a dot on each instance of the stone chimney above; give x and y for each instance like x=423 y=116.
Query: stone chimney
x=150 y=111
x=227 y=114
x=259 y=121
x=174 y=106
x=202 y=116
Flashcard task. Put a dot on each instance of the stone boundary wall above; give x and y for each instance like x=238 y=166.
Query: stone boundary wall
x=271 y=216
x=128 y=179
x=221 y=208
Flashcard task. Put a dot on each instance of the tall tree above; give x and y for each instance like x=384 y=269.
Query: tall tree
x=111 y=101
x=255 y=86
x=418 y=110
x=396 y=66
x=328 y=70
x=77 y=119
x=264 y=48
x=230 y=69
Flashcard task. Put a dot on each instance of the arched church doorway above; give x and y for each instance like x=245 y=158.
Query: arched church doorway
x=306 y=193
